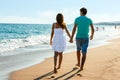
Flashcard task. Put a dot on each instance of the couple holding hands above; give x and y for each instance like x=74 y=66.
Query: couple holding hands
x=58 y=41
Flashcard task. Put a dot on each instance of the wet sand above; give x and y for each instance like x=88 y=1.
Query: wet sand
x=102 y=63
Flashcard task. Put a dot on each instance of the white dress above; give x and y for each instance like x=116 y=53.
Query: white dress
x=59 y=41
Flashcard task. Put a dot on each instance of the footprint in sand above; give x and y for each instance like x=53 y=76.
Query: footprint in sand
x=112 y=69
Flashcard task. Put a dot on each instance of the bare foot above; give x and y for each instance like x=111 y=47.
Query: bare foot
x=78 y=65
x=58 y=67
x=81 y=68
x=55 y=70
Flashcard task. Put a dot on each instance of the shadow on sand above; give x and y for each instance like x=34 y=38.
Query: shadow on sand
x=58 y=78
x=47 y=74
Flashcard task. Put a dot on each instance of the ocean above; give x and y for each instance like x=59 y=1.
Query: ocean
x=13 y=36
x=23 y=45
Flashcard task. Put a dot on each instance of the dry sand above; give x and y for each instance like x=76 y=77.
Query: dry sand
x=102 y=63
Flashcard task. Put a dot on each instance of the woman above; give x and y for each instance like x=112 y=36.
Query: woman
x=57 y=40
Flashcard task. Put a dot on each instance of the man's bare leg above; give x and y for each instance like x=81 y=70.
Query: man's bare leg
x=78 y=58
x=83 y=61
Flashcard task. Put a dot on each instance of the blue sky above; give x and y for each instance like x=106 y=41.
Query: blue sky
x=45 y=11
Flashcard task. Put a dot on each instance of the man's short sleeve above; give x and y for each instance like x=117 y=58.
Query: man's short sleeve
x=75 y=22
x=91 y=22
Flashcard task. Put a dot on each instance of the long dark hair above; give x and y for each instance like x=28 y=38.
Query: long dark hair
x=60 y=20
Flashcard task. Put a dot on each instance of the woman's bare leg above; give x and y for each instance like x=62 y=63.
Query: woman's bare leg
x=60 y=59
x=55 y=61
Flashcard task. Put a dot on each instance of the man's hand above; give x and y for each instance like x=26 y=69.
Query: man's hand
x=91 y=37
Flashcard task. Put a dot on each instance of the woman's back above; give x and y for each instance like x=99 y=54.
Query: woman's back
x=59 y=42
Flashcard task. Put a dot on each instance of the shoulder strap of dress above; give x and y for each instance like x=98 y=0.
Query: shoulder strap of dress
x=54 y=24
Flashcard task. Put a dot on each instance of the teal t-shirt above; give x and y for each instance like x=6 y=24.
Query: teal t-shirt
x=83 y=24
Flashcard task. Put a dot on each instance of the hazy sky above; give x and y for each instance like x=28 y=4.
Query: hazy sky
x=45 y=11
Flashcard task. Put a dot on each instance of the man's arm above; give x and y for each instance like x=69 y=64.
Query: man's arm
x=73 y=32
x=92 y=31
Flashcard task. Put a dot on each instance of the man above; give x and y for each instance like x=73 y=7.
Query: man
x=82 y=24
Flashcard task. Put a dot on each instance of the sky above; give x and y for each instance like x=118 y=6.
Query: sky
x=45 y=11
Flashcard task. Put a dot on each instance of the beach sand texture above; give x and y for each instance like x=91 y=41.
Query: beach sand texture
x=103 y=63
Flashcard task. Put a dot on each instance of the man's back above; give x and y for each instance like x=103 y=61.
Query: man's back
x=83 y=24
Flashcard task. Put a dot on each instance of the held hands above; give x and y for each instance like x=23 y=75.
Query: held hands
x=71 y=41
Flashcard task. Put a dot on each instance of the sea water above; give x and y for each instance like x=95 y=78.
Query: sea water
x=23 y=45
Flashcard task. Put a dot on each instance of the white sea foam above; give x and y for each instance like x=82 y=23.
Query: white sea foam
x=11 y=44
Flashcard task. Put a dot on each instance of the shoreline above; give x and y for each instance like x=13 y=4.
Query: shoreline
x=34 y=71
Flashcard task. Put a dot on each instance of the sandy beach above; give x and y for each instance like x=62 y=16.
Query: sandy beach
x=102 y=64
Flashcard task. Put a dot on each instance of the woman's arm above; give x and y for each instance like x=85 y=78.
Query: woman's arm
x=73 y=32
x=52 y=33
x=67 y=32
